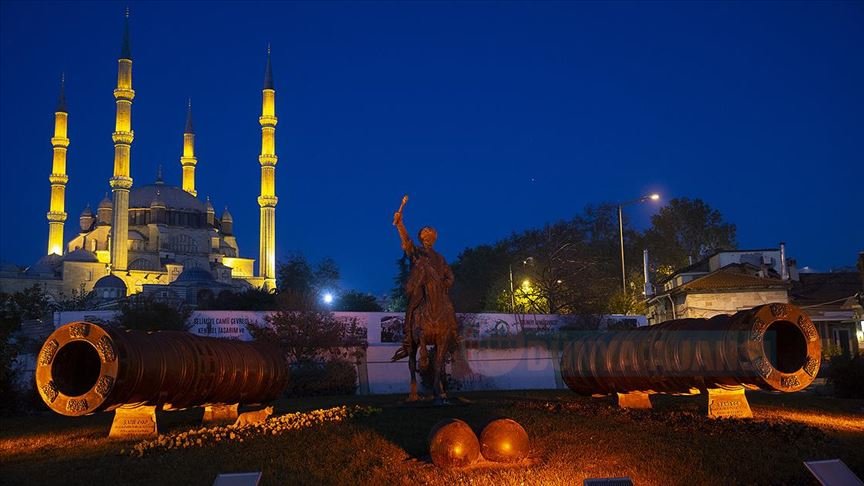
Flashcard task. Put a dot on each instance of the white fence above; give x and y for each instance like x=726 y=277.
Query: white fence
x=499 y=351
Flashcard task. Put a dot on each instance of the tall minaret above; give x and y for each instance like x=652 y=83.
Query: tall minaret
x=188 y=160
x=123 y=135
x=58 y=177
x=267 y=200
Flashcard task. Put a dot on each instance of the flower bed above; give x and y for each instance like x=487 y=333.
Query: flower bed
x=277 y=425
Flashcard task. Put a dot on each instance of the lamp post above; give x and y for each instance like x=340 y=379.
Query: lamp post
x=652 y=197
x=512 y=296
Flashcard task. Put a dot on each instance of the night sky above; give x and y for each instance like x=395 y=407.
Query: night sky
x=493 y=117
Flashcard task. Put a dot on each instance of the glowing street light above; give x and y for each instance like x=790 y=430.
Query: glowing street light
x=651 y=197
x=327 y=298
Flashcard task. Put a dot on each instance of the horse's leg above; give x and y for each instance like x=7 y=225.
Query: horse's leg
x=412 y=366
x=424 y=353
x=440 y=372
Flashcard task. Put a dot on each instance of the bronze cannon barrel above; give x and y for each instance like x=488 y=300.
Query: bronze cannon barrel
x=770 y=347
x=84 y=368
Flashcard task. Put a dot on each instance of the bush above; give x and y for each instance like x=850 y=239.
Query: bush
x=847 y=376
x=147 y=314
x=334 y=377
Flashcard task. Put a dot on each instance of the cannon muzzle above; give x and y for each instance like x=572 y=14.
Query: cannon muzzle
x=84 y=368
x=770 y=347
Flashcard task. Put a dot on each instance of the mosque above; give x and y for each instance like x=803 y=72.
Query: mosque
x=157 y=238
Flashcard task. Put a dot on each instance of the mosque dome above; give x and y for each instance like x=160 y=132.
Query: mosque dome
x=110 y=282
x=87 y=212
x=172 y=197
x=193 y=275
x=81 y=255
x=47 y=265
x=226 y=216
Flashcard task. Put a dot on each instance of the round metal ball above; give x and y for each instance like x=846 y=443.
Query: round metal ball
x=452 y=443
x=504 y=440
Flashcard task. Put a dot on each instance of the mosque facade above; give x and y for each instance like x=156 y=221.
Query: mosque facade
x=152 y=238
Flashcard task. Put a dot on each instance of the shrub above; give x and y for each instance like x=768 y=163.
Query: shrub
x=146 y=314
x=847 y=376
x=334 y=377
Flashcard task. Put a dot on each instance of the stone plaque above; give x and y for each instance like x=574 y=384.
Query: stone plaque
x=728 y=404
x=134 y=423
x=220 y=414
x=634 y=400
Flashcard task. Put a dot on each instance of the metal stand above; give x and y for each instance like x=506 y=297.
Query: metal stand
x=220 y=414
x=634 y=400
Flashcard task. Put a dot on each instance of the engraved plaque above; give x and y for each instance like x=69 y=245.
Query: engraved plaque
x=79 y=330
x=808 y=328
x=778 y=310
x=728 y=404
x=790 y=381
x=49 y=391
x=133 y=423
x=763 y=366
x=106 y=349
x=811 y=367
x=48 y=351
x=104 y=385
x=758 y=330
x=76 y=405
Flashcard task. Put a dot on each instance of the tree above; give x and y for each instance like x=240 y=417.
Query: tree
x=684 y=229
x=398 y=299
x=298 y=275
x=251 y=300
x=353 y=300
x=306 y=332
x=148 y=314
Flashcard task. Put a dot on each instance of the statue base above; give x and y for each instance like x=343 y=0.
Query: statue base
x=134 y=423
x=637 y=400
x=728 y=403
x=220 y=414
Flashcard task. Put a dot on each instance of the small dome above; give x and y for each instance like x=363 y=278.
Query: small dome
x=87 y=213
x=106 y=203
x=226 y=217
x=111 y=282
x=47 y=265
x=191 y=275
x=81 y=255
x=209 y=206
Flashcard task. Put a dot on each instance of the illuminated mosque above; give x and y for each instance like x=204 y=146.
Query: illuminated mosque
x=157 y=238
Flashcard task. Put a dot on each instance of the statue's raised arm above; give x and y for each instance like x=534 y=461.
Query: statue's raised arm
x=407 y=244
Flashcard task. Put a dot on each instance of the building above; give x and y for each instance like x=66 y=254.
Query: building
x=150 y=234
x=729 y=281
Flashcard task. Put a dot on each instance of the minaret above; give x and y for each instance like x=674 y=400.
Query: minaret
x=267 y=200
x=58 y=177
x=188 y=160
x=123 y=135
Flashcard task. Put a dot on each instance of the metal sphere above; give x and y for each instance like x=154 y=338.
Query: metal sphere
x=504 y=440
x=452 y=443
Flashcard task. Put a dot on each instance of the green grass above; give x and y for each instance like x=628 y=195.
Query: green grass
x=572 y=438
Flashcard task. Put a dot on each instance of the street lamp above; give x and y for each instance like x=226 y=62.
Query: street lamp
x=652 y=197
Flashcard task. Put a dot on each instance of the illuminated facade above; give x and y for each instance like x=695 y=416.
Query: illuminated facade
x=148 y=235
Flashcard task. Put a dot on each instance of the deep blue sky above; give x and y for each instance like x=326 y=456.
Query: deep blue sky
x=494 y=117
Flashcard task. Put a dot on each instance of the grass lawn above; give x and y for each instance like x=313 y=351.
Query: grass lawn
x=572 y=438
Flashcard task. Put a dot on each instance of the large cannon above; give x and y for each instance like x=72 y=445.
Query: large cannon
x=770 y=347
x=84 y=368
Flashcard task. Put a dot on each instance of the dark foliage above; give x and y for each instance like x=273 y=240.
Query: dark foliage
x=147 y=314
x=251 y=300
x=355 y=301
x=333 y=377
x=847 y=376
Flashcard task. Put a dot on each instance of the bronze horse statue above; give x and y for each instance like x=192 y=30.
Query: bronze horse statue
x=429 y=317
